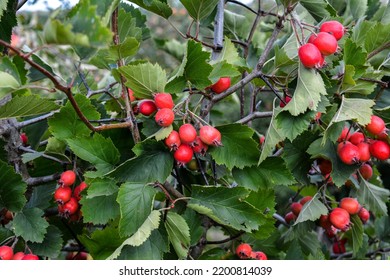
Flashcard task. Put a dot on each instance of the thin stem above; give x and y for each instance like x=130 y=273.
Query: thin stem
x=21 y=4
x=28 y=150
x=243 y=5
x=254 y=115
x=35 y=120
x=378 y=50
x=201 y=169
x=261 y=76
x=34 y=181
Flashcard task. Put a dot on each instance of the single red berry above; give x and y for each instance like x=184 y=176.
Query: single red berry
x=344 y=136
x=173 y=140
x=312 y=38
x=187 y=133
x=340 y=219
x=147 y=107
x=261 y=139
x=324 y=221
x=62 y=194
x=164 y=117
x=259 y=256
x=210 y=135
x=325 y=166
x=164 y=100
x=339 y=246
x=77 y=190
x=24 y=139
x=290 y=217
x=351 y=205
x=30 y=257
x=221 y=85
x=6 y=253
x=349 y=153
x=326 y=43
x=333 y=27
x=376 y=125
x=67 y=178
x=364 y=151
x=183 y=154
x=296 y=208
x=244 y=251
x=131 y=95
x=286 y=100
x=309 y=55
x=364 y=215
x=383 y=136
x=305 y=199
x=70 y=207
x=356 y=138
x=366 y=171
x=18 y=256
x=380 y=150
x=199 y=147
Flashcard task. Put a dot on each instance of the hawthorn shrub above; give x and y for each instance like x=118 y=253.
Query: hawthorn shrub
x=255 y=131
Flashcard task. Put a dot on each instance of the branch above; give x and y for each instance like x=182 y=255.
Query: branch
x=34 y=181
x=35 y=120
x=254 y=115
x=378 y=50
x=218 y=29
x=21 y=4
x=28 y=150
x=261 y=76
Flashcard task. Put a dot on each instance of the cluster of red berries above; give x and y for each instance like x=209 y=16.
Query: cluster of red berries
x=296 y=208
x=68 y=199
x=186 y=141
x=312 y=54
x=7 y=253
x=244 y=251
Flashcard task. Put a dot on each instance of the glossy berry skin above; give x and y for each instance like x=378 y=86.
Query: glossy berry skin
x=63 y=194
x=70 y=207
x=199 y=147
x=77 y=190
x=6 y=253
x=290 y=217
x=244 y=251
x=30 y=257
x=364 y=215
x=147 y=107
x=187 y=133
x=296 y=208
x=376 y=125
x=344 y=136
x=326 y=43
x=305 y=199
x=183 y=154
x=366 y=171
x=210 y=136
x=164 y=117
x=173 y=140
x=333 y=27
x=309 y=55
x=349 y=153
x=351 y=205
x=380 y=150
x=286 y=100
x=364 y=151
x=221 y=85
x=67 y=178
x=163 y=100
x=340 y=219
x=259 y=256
x=18 y=256
x=24 y=139
x=356 y=138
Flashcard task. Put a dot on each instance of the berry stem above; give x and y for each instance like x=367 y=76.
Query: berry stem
x=201 y=169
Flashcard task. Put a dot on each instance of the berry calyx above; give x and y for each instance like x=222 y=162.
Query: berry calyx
x=366 y=171
x=70 y=207
x=173 y=140
x=187 y=133
x=163 y=100
x=67 y=178
x=63 y=194
x=164 y=117
x=376 y=125
x=147 y=107
x=210 y=135
x=199 y=147
x=30 y=257
x=380 y=150
x=244 y=251
x=351 y=205
x=6 y=253
x=221 y=85
x=340 y=219
x=326 y=43
x=333 y=27
x=259 y=256
x=309 y=55
x=77 y=190
x=364 y=215
x=348 y=153
x=183 y=154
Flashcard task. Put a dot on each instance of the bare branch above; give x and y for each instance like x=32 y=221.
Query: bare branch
x=34 y=181
x=254 y=115
x=35 y=120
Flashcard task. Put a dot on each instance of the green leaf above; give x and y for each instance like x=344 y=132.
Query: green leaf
x=194 y=221
x=142 y=234
x=136 y=203
x=159 y=7
x=199 y=9
x=293 y=126
x=357 y=233
x=307 y=95
x=374 y=197
x=35 y=75
x=223 y=69
x=30 y=225
x=105 y=9
x=56 y=32
x=355 y=55
x=66 y=124
x=127 y=26
x=97 y=150
x=230 y=54
x=305 y=237
x=153 y=163
x=41 y=197
x=7 y=83
x=319 y=9
x=144 y=79
x=226 y=206
x=128 y=47
x=282 y=61
x=357 y=8
x=178 y=233
x=100 y=187
x=238 y=150
x=51 y=245
x=99 y=209
x=9 y=67
x=7 y=19
x=378 y=37
x=312 y=210
x=12 y=189
x=270 y=172
x=22 y=106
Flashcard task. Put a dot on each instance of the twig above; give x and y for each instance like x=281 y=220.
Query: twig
x=201 y=169
x=35 y=120
x=34 y=181
x=254 y=115
x=28 y=150
x=378 y=50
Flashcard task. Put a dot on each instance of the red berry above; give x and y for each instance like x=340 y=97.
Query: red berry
x=6 y=253
x=312 y=38
x=340 y=219
x=63 y=194
x=376 y=125
x=199 y=147
x=356 y=138
x=187 y=133
x=183 y=154
x=24 y=139
x=309 y=55
x=164 y=117
x=77 y=190
x=173 y=140
x=30 y=257
x=324 y=221
x=296 y=208
x=67 y=178
x=349 y=153
x=325 y=166
x=261 y=139
x=18 y=256
x=290 y=217
x=380 y=150
x=364 y=215
x=326 y=43
x=77 y=256
x=259 y=256
x=366 y=171
x=210 y=135
x=164 y=100
x=286 y=99
x=333 y=27
x=147 y=107
x=344 y=136
x=305 y=199
x=221 y=85
x=339 y=246
x=70 y=207
x=364 y=151
x=244 y=251
x=351 y=205
x=131 y=95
